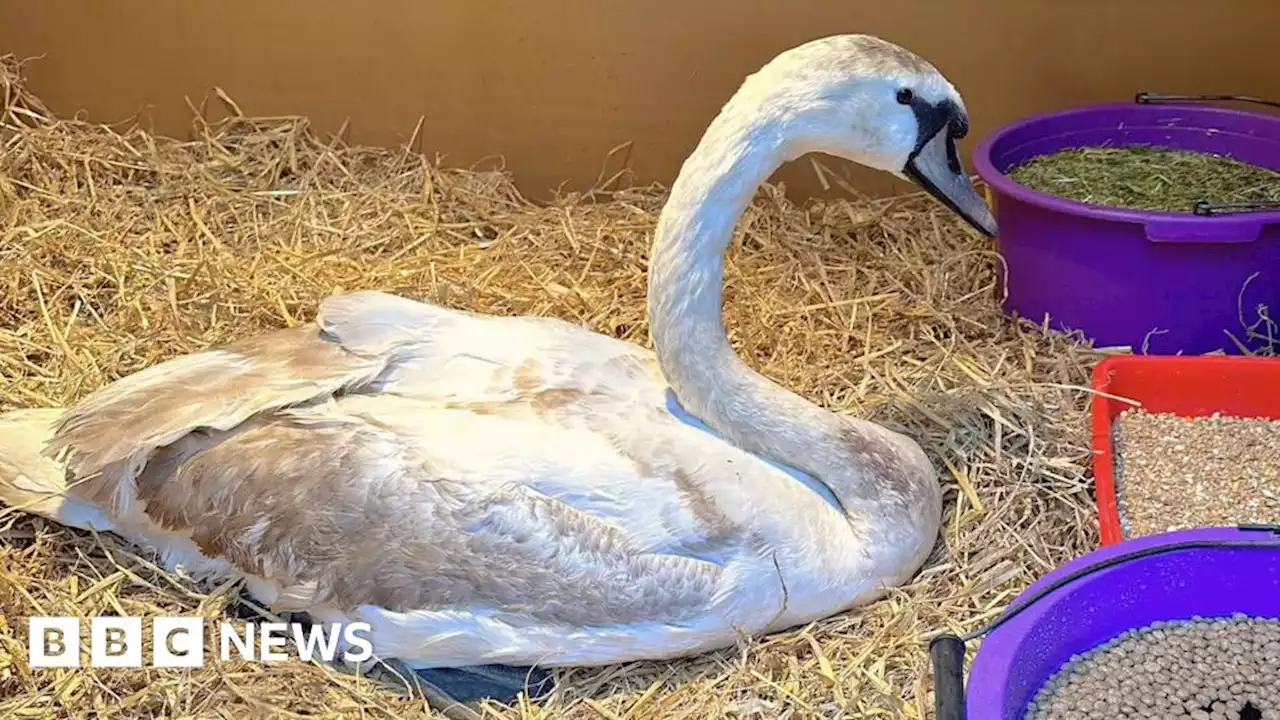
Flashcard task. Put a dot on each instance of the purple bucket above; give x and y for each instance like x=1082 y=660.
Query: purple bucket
x=1167 y=282
x=1173 y=576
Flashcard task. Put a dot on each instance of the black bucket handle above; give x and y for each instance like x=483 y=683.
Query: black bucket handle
x=1207 y=209
x=1148 y=98
x=946 y=651
x=947 y=654
x=1202 y=208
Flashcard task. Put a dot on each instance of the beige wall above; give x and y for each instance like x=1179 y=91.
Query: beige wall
x=554 y=85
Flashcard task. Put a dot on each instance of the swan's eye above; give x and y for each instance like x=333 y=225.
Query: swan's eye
x=905 y=96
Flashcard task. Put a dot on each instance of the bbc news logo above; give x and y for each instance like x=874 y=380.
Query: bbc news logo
x=177 y=642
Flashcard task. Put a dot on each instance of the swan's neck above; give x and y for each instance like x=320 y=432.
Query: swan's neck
x=686 y=279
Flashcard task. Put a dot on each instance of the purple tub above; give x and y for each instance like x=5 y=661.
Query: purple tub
x=1019 y=656
x=1172 y=283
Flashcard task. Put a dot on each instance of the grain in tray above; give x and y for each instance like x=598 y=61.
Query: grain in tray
x=1176 y=473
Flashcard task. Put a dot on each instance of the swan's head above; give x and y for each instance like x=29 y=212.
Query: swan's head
x=872 y=102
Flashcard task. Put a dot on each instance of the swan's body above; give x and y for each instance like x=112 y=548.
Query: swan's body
x=523 y=490
x=538 y=497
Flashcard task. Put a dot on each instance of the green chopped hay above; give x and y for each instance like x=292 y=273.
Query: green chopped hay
x=1148 y=178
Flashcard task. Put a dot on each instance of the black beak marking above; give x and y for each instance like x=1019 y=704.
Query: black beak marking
x=931 y=119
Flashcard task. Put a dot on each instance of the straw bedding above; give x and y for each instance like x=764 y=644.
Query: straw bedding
x=121 y=249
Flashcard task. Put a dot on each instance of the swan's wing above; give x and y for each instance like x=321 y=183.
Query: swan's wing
x=107 y=439
x=408 y=456
x=340 y=506
x=457 y=357
x=361 y=342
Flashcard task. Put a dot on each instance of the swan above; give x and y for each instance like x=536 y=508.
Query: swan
x=522 y=491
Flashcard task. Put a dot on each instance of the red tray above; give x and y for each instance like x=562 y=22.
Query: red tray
x=1187 y=386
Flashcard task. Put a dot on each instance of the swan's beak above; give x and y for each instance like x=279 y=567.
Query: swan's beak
x=935 y=166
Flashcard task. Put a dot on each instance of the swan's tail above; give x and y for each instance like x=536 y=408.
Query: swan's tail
x=31 y=482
